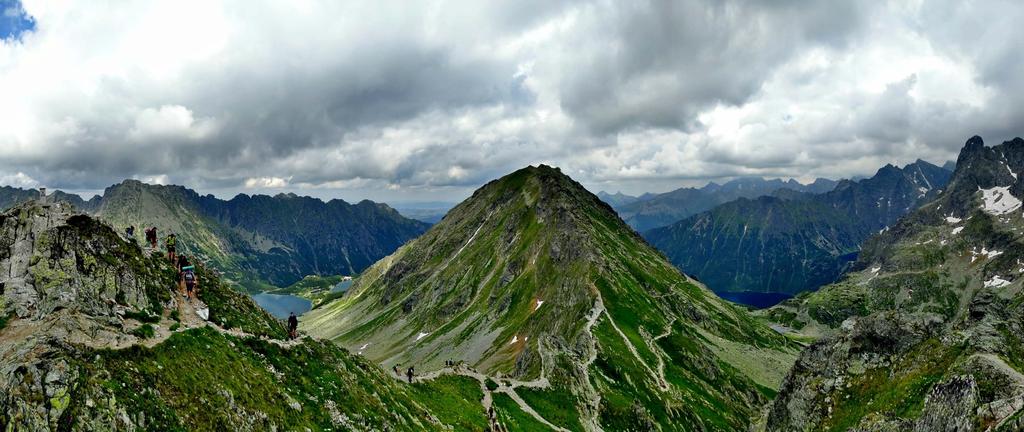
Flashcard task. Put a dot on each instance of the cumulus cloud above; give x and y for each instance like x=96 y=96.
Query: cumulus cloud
x=20 y=180
x=431 y=99
x=266 y=182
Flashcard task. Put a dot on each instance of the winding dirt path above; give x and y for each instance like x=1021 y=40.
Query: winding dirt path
x=488 y=400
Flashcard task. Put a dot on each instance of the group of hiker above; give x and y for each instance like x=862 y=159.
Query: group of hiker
x=409 y=373
x=186 y=270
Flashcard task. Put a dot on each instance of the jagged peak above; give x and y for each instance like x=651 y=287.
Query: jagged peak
x=974 y=143
x=974 y=146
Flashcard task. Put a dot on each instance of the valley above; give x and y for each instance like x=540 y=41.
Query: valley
x=534 y=301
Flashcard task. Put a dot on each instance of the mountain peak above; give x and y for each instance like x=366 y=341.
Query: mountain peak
x=973 y=146
x=535 y=278
x=974 y=143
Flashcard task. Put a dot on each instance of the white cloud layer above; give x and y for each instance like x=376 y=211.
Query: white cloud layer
x=426 y=100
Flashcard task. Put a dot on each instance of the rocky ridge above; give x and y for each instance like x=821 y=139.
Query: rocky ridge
x=926 y=334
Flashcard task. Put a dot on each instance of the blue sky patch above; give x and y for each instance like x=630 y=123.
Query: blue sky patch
x=13 y=20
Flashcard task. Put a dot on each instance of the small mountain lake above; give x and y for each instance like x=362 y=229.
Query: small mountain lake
x=342 y=286
x=280 y=305
x=758 y=300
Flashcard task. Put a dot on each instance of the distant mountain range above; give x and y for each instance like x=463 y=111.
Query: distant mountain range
x=657 y=210
x=255 y=240
x=927 y=334
x=619 y=199
x=430 y=212
x=794 y=241
x=12 y=196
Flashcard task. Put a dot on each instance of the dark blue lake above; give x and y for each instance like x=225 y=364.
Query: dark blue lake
x=758 y=300
x=281 y=305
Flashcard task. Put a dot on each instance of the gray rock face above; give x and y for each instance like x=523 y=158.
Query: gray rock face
x=892 y=352
x=946 y=408
x=64 y=279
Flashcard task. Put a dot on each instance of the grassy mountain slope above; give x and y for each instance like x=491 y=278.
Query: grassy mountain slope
x=534 y=278
x=926 y=335
x=795 y=243
x=96 y=336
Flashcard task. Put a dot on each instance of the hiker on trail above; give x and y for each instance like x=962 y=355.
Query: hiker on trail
x=171 y=241
x=395 y=370
x=151 y=237
x=182 y=262
x=130 y=232
x=188 y=277
x=293 y=326
x=409 y=373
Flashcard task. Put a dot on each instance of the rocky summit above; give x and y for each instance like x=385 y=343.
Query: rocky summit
x=926 y=335
x=536 y=285
x=95 y=335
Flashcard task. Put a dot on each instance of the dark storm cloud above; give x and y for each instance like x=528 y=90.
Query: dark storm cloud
x=661 y=63
x=428 y=96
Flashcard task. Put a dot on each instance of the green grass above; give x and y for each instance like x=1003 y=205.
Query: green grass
x=144 y=331
x=513 y=417
x=898 y=390
x=203 y=380
x=557 y=406
x=455 y=400
x=142 y=317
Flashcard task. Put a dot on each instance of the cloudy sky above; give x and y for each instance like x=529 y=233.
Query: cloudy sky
x=427 y=100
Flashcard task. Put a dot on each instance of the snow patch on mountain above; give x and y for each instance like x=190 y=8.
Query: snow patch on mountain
x=996 y=282
x=999 y=201
x=990 y=254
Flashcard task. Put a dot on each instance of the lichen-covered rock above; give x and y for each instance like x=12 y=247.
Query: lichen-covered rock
x=66 y=279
